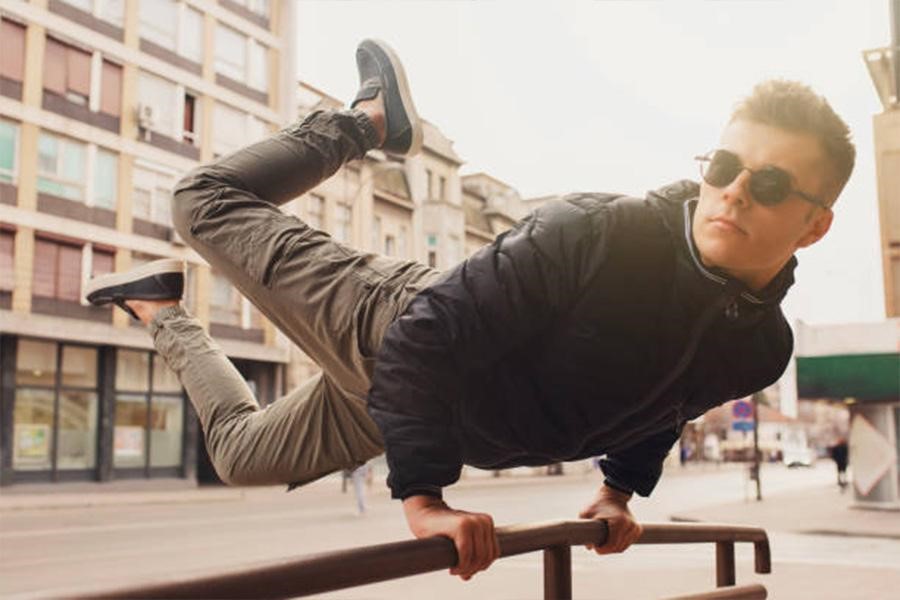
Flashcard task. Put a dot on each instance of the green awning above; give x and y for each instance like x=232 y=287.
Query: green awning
x=865 y=377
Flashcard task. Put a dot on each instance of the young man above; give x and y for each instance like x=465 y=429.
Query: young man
x=598 y=326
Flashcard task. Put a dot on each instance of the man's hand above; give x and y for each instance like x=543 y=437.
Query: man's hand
x=472 y=533
x=612 y=505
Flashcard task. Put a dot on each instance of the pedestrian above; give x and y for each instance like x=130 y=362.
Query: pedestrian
x=840 y=455
x=599 y=325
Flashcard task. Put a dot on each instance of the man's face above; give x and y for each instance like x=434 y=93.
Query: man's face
x=749 y=240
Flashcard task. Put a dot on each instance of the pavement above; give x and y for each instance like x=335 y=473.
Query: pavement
x=820 y=510
x=832 y=512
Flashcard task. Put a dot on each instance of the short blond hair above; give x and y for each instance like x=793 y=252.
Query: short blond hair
x=794 y=106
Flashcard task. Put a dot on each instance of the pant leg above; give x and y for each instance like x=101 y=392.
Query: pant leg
x=309 y=433
x=324 y=296
x=333 y=302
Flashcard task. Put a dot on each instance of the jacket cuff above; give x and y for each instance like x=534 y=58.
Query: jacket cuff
x=419 y=490
x=617 y=485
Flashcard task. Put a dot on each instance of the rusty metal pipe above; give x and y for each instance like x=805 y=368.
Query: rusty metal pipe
x=360 y=566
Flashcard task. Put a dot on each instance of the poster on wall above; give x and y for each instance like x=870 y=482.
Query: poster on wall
x=128 y=441
x=32 y=444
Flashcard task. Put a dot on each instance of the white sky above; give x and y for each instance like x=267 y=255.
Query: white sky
x=554 y=97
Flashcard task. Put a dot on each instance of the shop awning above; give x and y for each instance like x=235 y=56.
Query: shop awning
x=865 y=377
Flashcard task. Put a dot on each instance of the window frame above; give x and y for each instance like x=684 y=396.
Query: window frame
x=13 y=172
x=63 y=142
x=58 y=389
x=160 y=195
x=148 y=394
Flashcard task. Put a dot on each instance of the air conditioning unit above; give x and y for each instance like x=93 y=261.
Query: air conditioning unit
x=146 y=118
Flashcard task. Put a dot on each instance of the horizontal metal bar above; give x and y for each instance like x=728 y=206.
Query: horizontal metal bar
x=692 y=533
x=360 y=566
x=743 y=592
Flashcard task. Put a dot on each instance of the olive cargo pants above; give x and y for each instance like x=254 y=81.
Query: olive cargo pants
x=334 y=302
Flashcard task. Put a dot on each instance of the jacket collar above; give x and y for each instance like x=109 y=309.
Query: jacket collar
x=773 y=293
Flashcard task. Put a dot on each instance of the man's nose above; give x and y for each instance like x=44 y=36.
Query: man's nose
x=738 y=191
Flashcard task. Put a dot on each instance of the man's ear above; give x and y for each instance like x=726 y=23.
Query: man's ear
x=817 y=228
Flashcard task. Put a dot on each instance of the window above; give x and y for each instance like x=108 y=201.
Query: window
x=343 y=222
x=57 y=270
x=9 y=142
x=106 y=179
x=67 y=71
x=315 y=211
x=376 y=234
x=111 y=11
x=55 y=414
x=190 y=107
x=111 y=89
x=442 y=188
x=7 y=261
x=61 y=167
x=175 y=112
x=401 y=241
x=162 y=95
x=191 y=34
x=174 y=26
x=390 y=245
x=152 y=193
x=159 y=22
x=231 y=53
x=225 y=302
x=241 y=58
x=149 y=413
x=12 y=59
x=233 y=129
x=259 y=67
x=429 y=191
x=102 y=262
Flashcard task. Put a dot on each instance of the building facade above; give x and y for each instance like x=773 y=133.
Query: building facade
x=104 y=104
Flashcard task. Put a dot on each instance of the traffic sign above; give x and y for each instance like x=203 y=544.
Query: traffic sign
x=742 y=409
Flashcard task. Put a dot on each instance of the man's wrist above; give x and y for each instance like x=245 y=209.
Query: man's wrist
x=618 y=489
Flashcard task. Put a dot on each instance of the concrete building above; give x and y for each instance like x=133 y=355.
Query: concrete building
x=858 y=364
x=103 y=105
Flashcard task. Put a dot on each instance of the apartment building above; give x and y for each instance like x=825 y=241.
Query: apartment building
x=104 y=104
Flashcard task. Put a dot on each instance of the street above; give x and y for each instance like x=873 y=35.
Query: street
x=48 y=552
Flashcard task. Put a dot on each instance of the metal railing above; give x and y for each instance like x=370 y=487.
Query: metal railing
x=370 y=564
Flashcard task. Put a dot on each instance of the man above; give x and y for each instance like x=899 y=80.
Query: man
x=598 y=326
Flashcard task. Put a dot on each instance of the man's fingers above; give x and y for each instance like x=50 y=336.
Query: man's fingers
x=621 y=535
x=476 y=546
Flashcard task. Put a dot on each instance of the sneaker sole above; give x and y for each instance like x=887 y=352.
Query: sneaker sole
x=93 y=290
x=405 y=97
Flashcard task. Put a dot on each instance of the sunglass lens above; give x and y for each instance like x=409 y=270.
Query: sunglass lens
x=722 y=169
x=770 y=185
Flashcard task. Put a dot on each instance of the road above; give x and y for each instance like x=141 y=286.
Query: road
x=54 y=551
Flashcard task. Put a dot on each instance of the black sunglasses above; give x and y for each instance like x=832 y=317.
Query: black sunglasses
x=769 y=185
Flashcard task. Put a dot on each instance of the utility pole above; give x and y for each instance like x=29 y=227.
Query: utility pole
x=756 y=453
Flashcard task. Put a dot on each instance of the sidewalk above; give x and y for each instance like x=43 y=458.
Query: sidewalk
x=141 y=491
x=821 y=510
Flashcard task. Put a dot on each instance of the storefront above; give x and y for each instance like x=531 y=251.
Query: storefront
x=92 y=413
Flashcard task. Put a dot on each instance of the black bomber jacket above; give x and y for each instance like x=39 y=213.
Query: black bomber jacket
x=591 y=328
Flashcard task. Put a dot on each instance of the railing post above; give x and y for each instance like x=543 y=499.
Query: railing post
x=725 y=564
x=558 y=573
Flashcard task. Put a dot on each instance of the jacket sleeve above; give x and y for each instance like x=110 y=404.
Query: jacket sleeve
x=639 y=467
x=479 y=311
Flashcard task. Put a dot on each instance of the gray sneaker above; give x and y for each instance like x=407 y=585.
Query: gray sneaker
x=380 y=70
x=158 y=280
